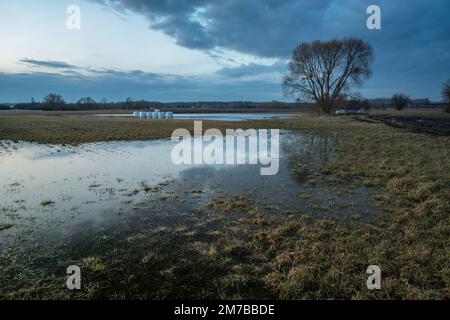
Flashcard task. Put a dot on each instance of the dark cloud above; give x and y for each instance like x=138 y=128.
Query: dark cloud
x=135 y=74
x=272 y=28
x=413 y=46
x=48 y=64
x=262 y=27
x=253 y=69
x=76 y=71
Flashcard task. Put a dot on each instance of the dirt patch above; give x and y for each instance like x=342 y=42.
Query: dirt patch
x=434 y=126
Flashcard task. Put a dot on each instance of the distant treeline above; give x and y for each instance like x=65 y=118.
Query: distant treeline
x=56 y=103
x=144 y=105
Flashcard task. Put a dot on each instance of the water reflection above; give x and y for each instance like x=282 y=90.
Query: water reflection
x=57 y=188
x=140 y=226
x=217 y=116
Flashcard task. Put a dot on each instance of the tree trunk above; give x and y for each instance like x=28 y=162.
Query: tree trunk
x=324 y=108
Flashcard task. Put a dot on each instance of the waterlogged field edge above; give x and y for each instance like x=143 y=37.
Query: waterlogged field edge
x=249 y=255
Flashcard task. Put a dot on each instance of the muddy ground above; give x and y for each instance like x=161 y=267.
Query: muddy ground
x=434 y=126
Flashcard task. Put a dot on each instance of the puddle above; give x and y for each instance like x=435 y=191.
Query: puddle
x=50 y=185
x=126 y=202
x=217 y=116
x=55 y=188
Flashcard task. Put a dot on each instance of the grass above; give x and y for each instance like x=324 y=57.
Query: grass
x=250 y=255
x=5 y=226
x=76 y=129
x=80 y=129
x=409 y=243
x=46 y=203
x=428 y=113
x=62 y=128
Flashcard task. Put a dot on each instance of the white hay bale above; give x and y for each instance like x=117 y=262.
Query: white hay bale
x=155 y=115
x=169 y=115
x=362 y=112
x=342 y=112
x=142 y=115
x=136 y=114
x=161 y=115
x=149 y=115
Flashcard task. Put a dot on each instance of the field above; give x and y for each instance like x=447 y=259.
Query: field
x=229 y=247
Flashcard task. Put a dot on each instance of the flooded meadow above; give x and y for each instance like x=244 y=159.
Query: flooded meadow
x=140 y=226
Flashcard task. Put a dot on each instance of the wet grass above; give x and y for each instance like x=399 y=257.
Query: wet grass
x=5 y=226
x=409 y=242
x=419 y=112
x=74 y=129
x=46 y=203
x=229 y=248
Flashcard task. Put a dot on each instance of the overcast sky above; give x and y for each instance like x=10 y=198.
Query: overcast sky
x=181 y=50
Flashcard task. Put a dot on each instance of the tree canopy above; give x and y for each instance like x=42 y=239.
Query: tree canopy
x=53 y=99
x=400 y=100
x=323 y=71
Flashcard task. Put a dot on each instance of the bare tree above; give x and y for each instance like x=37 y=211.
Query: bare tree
x=399 y=101
x=446 y=95
x=130 y=103
x=323 y=72
x=53 y=99
x=357 y=102
x=86 y=101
